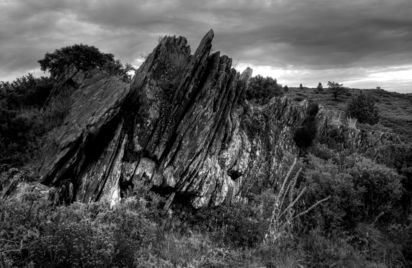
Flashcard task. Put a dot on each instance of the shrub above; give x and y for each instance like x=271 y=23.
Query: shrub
x=362 y=107
x=321 y=251
x=25 y=91
x=262 y=89
x=19 y=134
x=24 y=118
x=361 y=191
x=382 y=188
x=78 y=235
x=239 y=225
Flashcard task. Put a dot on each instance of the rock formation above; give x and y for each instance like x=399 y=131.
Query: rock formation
x=182 y=126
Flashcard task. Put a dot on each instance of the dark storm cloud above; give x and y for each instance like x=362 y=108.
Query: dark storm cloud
x=313 y=35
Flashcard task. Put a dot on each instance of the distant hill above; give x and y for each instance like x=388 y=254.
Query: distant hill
x=395 y=109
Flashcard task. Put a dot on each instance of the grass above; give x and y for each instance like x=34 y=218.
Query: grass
x=395 y=109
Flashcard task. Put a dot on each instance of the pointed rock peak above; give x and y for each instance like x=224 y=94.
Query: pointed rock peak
x=178 y=40
x=206 y=43
x=246 y=74
x=210 y=34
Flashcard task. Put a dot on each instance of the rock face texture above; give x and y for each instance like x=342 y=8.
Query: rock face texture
x=182 y=126
x=83 y=137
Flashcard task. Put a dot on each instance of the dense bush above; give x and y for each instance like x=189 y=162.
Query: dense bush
x=360 y=190
x=24 y=117
x=347 y=230
x=35 y=233
x=236 y=225
x=80 y=235
x=83 y=57
x=19 y=132
x=25 y=91
x=262 y=89
x=362 y=107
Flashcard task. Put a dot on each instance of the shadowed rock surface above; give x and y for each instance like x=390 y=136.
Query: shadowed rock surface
x=183 y=127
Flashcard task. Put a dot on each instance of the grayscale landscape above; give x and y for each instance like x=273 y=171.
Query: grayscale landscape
x=206 y=134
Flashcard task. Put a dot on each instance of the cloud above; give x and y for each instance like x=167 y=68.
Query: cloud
x=311 y=39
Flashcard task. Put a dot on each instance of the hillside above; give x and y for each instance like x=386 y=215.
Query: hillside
x=188 y=164
x=395 y=109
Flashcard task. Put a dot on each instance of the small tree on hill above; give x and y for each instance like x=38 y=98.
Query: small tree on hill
x=300 y=86
x=319 y=88
x=336 y=88
x=362 y=107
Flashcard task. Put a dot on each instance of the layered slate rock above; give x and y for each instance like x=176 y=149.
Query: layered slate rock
x=83 y=138
x=183 y=127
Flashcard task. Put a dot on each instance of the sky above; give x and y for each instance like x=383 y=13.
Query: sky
x=360 y=43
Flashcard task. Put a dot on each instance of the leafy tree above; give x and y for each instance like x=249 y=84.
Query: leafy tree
x=300 y=86
x=362 y=107
x=336 y=88
x=83 y=57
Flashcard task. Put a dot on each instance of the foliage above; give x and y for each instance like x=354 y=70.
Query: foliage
x=236 y=225
x=364 y=222
x=83 y=57
x=284 y=213
x=362 y=107
x=261 y=89
x=345 y=230
x=24 y=118
x=306 y=132
x=19 y=131
x=79 y=235
x=25 y=91
x=336 y=89
x=361 y=190
x=319 y=88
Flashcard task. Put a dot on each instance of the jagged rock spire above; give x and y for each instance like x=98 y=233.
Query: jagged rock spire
x=182 y=126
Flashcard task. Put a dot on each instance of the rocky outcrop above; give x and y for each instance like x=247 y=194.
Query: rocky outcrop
x=92 y=120
x=182 y=126
x=342 y=133
x=21 y=184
